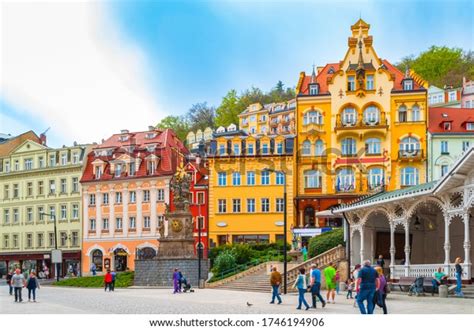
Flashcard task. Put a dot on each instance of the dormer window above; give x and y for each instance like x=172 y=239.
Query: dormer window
x=118 y=170
x=265 y=149
x=470 y=126
x=236 y=149
x=98 y=172
x=150 y=136
x=151 y=167
x=250 y=150
x=408 y=84
x=132 y=170
x=447 y=126
x=151 y=148
x=221 y=149
x=123 y=138
x=331 y=70
x=313 y=89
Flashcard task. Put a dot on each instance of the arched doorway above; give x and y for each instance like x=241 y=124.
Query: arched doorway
x=97 y=259
x=309 y=218
x=120 y=259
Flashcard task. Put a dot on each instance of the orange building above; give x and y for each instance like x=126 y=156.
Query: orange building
x=125 y=191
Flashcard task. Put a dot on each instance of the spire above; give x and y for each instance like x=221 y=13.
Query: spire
x=407 y=72
x=313 y=76
x=360 y=62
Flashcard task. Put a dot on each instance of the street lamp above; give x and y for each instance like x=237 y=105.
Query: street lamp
x=53 y=216
x=285 y=225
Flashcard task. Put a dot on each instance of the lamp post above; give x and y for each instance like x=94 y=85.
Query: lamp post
x=53 y=216
x=199 y=246
x=285 y=226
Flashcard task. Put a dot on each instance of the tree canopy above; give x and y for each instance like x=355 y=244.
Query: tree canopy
x=441 y=66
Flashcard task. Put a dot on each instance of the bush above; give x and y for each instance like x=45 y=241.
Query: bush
x=326 y=241
x=243 y=253
x=224 y=261
x=122 y=280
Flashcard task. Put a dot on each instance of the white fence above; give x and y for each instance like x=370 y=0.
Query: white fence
x=425 y=270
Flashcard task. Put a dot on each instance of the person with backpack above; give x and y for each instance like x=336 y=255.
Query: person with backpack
x=108 y=281
x=32 y=284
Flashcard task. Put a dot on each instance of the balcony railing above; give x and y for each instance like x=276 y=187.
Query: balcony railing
x=313 y=127
x=362 y=122
x=411 y=154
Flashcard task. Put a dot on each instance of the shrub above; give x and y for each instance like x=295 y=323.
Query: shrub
x=123 y=280
x=224 y=261
x=326 y=241
x=243 y=253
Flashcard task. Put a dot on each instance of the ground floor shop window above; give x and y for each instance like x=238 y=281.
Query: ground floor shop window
x=250 y=239
x=97 y=260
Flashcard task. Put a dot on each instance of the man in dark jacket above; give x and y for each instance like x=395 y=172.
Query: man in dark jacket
x=275 y=281
x=367 y=284
x=9 y=282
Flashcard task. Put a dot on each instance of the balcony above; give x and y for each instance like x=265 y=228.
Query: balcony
x=362 y=123
x=313 y=128
x=274 y=122
x=245 y=123
x=411 y=155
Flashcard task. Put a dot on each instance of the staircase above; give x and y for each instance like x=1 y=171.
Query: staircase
x=256 y=279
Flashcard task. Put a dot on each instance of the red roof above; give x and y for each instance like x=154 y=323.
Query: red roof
x=167 y=147
x=323 y=75
x=458 y=117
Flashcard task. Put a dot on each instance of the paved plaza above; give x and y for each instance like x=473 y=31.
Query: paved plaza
x=162 y=301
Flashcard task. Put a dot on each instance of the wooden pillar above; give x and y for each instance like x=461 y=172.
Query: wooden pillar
x=467 y=246
x=362 y=258
x=407 y=247
x=447 y=244
x=392 y=250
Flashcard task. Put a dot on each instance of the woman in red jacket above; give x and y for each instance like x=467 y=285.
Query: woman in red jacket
x=108 y=280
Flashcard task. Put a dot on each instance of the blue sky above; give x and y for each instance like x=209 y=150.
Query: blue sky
x=184 y=52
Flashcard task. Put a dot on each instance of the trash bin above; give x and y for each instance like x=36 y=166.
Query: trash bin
x=443 y=291
x=201 y=284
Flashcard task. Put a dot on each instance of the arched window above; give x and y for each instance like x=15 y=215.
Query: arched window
x=373 y=146
x=402 y=114
x=306 y=148
x=313 y=117
x=409 y=176
x=409 y=145
x=312 y=179
x=146 y=253
x=345 y=180
x=348 y=147
x=349 y=117
x=319 y=148
x=376 y=177
x=97 y=259
x=371 y=115
x=415 y=113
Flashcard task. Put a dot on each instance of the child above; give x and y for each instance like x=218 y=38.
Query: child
x=32 y=284
x=350 y=288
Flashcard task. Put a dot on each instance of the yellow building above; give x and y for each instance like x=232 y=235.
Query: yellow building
x=282 y=118
x=272 y=118
x=255 y=119
x=36 y=180
x=361 y=125
x=246 y=186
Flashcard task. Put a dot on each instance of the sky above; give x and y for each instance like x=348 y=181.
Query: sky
x=87 y=69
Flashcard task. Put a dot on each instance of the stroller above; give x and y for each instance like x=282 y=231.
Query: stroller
x=417 y=287
x=186 y=285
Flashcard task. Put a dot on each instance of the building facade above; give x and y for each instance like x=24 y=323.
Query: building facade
x=467 y=98
x=247 y=179
x=272 y=118
x=361 y=125
x=450 y=134
x=448 y=97
x=282 y=118
x=40 y=186
x=126 y=191
x=199 y=206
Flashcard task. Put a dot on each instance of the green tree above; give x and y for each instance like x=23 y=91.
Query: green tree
x=200 y=116
x=177 y=123
x=441 y=66
x=229 y=109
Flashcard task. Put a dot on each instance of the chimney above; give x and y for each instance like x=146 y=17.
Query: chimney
x=151 y=128
x=43 y=139
x=124 y=131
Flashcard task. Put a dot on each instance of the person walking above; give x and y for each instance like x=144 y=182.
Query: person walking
x=181 y=277
x=32 y=284
x=9 y=282
x=350 y=288
x=108 y=281
x=355 y=276
x=337 y=279
x=18 y=283
x=275 y=281
x=93 y=269
x=114 y=276
x=330 y=277
x=366 y=285
x=381 y=294
x=316 y=285
x=459 y=272
x=304 y=251
x=176 y=281
x=301 y=285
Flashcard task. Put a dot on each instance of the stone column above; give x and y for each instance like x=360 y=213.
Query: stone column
x=467 y=246
x=407 y=247
x=447 y=244
x=362 y=244
x=112 y=212
x=392 y=250
x=139 y=216
x=98 y=211
x=125 y=211
x=301 y=218
x=153 y=215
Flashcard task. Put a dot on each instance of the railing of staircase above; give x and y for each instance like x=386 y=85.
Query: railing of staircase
x=333 y=255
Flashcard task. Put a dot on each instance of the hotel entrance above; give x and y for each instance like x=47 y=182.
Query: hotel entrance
x=120 y=260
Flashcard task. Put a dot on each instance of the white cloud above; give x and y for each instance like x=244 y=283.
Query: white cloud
x=66 y=64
